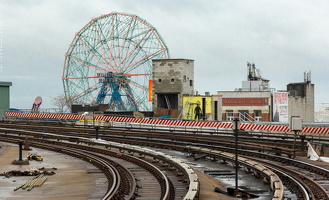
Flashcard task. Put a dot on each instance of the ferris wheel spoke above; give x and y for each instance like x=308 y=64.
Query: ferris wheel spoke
x=128 y=30
x=88 y=49
x=86 y=91
x=142 y=60
x=76 y=87
x=134 y=48
x=133 y=36
x=111 y=42
x=163 y=46
x=104 y=41
x=135 y=85
x=101 y=45
x=131 y=97
x=132 y=58
x=94 y=99
x=137 y=48
x=80 y=61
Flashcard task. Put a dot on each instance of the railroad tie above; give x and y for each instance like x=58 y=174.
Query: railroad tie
x=34 y=182
x=41 y=181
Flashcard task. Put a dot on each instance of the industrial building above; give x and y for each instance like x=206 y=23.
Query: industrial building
x=254 y=101
x=251 y=102
x=172 y=79
x=301 y=99
x=4 y=98
x=247 y=105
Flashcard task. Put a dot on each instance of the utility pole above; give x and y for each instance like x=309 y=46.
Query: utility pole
x=296 y=125
x=236 y=127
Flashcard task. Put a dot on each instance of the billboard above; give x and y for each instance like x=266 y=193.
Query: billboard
x=280 y=106
x=191 y=102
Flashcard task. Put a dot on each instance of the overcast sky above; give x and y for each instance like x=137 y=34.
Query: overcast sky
x=283 y=38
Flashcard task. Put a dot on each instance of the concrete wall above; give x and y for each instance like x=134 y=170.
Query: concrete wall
x=172 y=76
x=301 y=101
x=4 y=98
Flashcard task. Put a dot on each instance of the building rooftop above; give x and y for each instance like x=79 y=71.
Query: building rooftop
x=5 y=83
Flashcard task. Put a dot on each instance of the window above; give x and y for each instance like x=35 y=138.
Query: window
x=258 y=115
x=229 y=115
x=184 y=78
x=172 y=80
x=159 y=80
x=191 y=82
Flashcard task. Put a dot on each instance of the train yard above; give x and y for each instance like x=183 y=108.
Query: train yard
x=136 y=163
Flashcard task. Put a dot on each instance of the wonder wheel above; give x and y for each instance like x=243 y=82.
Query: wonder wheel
x=109 y=62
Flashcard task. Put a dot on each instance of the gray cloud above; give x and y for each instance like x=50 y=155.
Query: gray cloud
x=283 y=38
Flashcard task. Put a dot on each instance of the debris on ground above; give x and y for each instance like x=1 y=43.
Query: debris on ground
x=29 y=172
x=34 y=156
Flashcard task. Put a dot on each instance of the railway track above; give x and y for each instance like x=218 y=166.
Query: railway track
x=121 y=182
x=311 y=189
x=260 y=142
x=303 y=187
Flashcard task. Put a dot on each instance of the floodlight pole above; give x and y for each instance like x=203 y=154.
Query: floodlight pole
x=236 y=130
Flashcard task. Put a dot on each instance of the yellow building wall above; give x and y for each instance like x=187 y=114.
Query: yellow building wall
x=190 y=102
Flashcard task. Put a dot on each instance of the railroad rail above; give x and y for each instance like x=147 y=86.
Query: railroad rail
x=172 y=162
x=227 y=125
x=173 y=139
x=193 y=186
x=264 y=142
x=304 y=187
x=276 y=184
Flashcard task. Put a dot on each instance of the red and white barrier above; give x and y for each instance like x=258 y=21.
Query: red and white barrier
x=227 y=125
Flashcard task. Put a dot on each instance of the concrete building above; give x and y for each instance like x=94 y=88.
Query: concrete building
x=251 y=102
x=172 y=78
x=248 y=106
x=4 y=98
x=301 y=99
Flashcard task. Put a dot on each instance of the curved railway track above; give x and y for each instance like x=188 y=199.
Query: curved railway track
x=298 y=183
x=121 y=182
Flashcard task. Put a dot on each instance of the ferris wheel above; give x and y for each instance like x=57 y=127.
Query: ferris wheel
x=109 y=62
